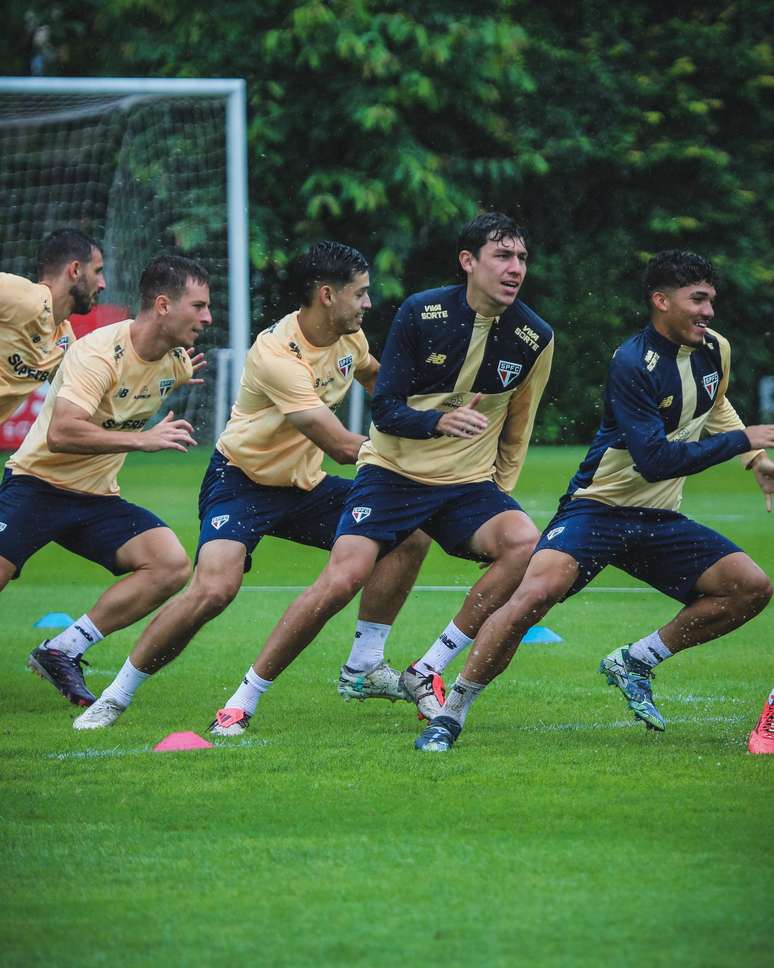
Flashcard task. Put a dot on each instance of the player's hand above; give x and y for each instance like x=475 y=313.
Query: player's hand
x=464 y=421
x=197 y=362
x=763 y=468
x=168 y=434
x=760 y=436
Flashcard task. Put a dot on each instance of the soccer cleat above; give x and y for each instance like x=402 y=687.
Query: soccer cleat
x=101 y=713
x=426 y=692
x=762 y=737
x=633 y=679
x=383 y=682
x=231 y=721
x=439 y=736
x=62 y=671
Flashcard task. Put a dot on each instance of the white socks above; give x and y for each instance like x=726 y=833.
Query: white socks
x=448 y=645
x=460 y=698
x=650 y=650
x=76 y=639
x=368 y=646
x=123 y=687
x=249 y=692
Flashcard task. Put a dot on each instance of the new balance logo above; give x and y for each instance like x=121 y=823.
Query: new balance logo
x=666 y=403
x=344 y=364
x=85 y=634
x=554 y=532
x=651 y=358
x=710 y=382
x=447 y=641
x=437 y=358
x=360 y=514
x=508 y=372
x=219 y=520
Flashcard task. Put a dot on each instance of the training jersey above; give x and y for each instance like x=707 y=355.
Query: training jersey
x=439 y=354
x=284 y=373
x=659 y=399
x=31 y=344
x=103 y=375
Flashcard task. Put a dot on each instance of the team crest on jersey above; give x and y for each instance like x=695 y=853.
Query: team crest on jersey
x=508 y=372
x=344 y=364
x=554 y=532
x=63 y=342
x=360 y=514
x=710 y=382
x=3 y=525
x=165 y=386
x=219 y=520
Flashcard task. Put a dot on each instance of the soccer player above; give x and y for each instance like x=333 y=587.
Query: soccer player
x=666 y=386
x=266 y=478
x=61 y=484
x=34 y=328
x=762 y=737
x=461 y=377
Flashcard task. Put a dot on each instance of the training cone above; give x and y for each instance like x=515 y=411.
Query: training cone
x=181 y=741
x=541 y=634
x=54 y=620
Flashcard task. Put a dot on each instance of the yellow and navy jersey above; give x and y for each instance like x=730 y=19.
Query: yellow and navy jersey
x=439 y=354
x=31 y=344
x=284 y=373
x=103 y=375
x=659 y=400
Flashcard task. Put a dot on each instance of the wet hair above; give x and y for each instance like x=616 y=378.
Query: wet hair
x=675 y=268
x=62 y=246
x=489 y=226
x=169 y=275
x=325 y=262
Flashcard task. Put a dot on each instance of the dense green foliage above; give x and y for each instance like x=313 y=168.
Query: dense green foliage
x=612 y=130
x=557 y=833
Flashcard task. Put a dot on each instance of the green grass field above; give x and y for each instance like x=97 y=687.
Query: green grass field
x=556 y=833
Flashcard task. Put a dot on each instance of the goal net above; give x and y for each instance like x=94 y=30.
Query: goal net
x=141 y=170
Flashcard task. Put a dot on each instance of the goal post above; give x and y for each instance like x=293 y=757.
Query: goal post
x=142 y=164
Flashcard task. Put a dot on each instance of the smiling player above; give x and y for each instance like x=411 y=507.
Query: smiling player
x=666 y=387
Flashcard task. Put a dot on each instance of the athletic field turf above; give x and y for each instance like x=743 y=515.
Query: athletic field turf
x=557 y=832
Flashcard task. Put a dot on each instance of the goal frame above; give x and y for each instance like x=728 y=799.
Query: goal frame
x=234 y=92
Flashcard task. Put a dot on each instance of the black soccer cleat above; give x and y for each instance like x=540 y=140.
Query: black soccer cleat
x=64 y=672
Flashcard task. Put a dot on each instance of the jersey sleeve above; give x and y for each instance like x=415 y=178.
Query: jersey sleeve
x=633 y=402
x=87 y=376
x=287 y=382
x=389 y=410
x=517 y=429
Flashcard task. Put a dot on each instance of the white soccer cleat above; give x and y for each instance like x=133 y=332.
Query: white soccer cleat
x=230 y=721
x=426 y=692
x=101 y=713
x=383 y=682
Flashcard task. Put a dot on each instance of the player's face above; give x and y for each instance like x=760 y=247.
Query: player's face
x=89 y=284
x=686 y=313
x=495 y=275
x=349 y=304
x=187 y=318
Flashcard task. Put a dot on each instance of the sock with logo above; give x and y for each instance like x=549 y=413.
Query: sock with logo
x=249 y=692
x=448 y=645
x=650 y=650
x=123 y=687
x=77 y=638
x=367 y=647
x=460 y=698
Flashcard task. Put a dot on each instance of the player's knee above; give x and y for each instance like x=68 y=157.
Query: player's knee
x=757 y=591
x=518 y=545
x=341 y=584
x=172 y=573
x=537 y=597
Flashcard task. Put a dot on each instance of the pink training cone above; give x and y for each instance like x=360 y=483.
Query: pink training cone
x=181 y=741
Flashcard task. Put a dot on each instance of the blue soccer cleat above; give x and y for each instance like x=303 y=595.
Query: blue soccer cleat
x=439 y=736
x=633 y=679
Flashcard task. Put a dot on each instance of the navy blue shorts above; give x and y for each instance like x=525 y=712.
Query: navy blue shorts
x=233 y=507
x=387 y=507
x=94 y=526
x=663 y=548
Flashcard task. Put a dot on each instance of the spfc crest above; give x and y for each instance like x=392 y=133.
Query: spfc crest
x=344 y=365
x=710 y=382
x=219 y=520
x=165 y=386
x=508 y=372
x=360 y=514
x=554 y=532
